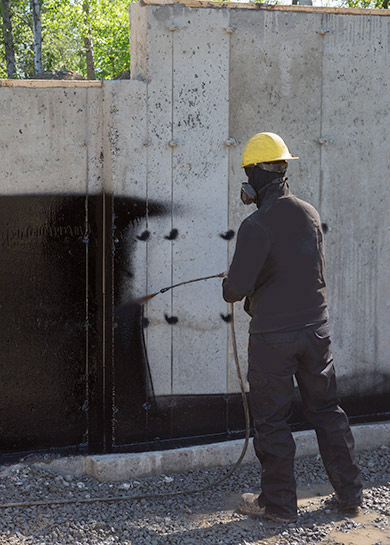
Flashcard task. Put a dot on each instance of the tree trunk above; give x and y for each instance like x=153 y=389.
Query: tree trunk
x=8 y=38
x=88 y=43
x=36 y=12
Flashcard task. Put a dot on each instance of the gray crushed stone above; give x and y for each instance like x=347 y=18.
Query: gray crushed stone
x=206 y=518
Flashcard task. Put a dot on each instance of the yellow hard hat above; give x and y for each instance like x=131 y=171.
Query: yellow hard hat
x=265 y=147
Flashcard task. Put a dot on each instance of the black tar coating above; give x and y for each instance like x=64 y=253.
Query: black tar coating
x=171 y=319
x=227 y=318
x=51 y=227
x=228 y=235
x=145 y=236
x=131 y=377
x=325 y=228
x=172 y=235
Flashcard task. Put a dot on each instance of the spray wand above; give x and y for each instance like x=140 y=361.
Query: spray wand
x=146 y=298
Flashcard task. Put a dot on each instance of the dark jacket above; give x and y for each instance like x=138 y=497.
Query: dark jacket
x=278 y=264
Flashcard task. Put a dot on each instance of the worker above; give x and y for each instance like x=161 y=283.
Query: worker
x=278 y=266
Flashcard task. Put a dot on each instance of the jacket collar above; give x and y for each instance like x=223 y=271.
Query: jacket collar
x=279 y=188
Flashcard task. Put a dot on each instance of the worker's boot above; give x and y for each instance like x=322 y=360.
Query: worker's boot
x=349 y=507
x=253 y=504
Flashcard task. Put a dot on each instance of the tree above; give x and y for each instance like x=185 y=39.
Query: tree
x=36 y=19
x=8 y=38
x=23 y=40
x=76 y=35
x=110 y=31
x=379 y=4
x=88 y=42
x=107 y=27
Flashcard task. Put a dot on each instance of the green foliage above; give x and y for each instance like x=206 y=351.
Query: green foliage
x=3 y=65
x=23 y=39
x=266 y=2
x=379 y=4
x=110 y=29
x=3 y=71
x=64 y=27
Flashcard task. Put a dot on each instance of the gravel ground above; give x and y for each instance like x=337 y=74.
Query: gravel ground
x=206 y=518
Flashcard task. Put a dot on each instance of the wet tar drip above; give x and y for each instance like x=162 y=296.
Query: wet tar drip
x=171 y=319
x=228 y=235
x=172 y=235
x=145 y=322
x=144 y=236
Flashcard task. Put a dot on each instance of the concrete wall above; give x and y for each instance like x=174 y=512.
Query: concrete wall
x=188 y=115
x=165 y=147
x=50 y=138
x=51 y=175
x=319 y=79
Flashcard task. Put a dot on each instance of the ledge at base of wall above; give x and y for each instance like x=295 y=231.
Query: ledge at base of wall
x=122 y=467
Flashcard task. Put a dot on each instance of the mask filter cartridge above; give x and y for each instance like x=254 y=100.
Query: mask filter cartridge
x=248 y=193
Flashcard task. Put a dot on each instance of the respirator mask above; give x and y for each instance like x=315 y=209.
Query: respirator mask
x=249 y=193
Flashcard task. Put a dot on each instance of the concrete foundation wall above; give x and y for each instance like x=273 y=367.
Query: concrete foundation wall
x=169 y=141
x=50 y=139
x=319 y=79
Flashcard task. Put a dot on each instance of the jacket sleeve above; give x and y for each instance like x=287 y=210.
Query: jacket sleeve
x=252 y=248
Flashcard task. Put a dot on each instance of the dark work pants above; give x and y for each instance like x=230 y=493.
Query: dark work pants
x=273 y=360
